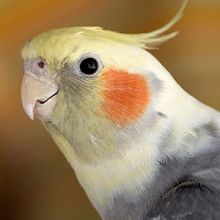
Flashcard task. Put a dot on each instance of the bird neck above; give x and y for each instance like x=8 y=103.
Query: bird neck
x=103 y=181
x=132 y=184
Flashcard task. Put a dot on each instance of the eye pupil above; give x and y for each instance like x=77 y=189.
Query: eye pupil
x=89 y=66
x=41 y=64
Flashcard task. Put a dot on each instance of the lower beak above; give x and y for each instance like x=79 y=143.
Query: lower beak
x=38 y=96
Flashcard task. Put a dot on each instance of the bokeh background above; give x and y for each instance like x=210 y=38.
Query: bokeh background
x=36 y=183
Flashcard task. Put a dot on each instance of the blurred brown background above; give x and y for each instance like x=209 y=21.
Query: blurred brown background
x=36 y=183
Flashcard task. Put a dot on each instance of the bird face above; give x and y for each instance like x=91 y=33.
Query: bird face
x=93 y=90
x=99 y=89
x=86 y=79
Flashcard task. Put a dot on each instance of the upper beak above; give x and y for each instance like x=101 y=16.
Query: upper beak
x=38 y=96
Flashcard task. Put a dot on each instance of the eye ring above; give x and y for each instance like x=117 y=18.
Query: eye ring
x=88 y=65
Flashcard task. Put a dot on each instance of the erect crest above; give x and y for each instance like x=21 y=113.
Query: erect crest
x=144 y=40
x=152 y=39
x=54 y=39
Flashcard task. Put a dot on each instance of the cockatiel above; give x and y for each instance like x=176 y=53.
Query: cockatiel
x=141 y=147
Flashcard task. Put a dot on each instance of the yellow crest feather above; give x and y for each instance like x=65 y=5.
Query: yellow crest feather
x=66 y=38
x=152 y=39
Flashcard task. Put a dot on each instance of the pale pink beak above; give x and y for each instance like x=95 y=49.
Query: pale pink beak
x=38 y=96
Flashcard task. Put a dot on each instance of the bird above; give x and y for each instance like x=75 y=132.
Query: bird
x=141 y=147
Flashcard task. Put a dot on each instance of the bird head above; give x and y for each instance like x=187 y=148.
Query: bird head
x=97 y=88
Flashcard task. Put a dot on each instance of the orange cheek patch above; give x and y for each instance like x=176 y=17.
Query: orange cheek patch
x=126 y=95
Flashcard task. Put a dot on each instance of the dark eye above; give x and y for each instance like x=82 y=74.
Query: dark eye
x=41 y=64
x=89 y=66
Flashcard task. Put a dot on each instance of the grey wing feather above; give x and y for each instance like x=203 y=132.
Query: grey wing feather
x=189 y=202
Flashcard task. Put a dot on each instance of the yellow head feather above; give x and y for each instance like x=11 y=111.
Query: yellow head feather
x=39 y=44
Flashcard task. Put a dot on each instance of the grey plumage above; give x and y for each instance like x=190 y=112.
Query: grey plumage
x=184 y=188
